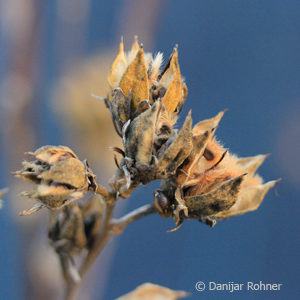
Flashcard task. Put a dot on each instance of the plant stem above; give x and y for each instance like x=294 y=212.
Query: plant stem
x=109 y=229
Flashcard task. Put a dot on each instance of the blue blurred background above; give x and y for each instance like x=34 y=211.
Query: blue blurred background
x=240 y=55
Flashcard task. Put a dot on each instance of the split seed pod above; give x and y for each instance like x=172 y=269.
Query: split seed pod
x=213 y=183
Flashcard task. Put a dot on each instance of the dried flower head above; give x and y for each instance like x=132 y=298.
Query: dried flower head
x=59 y=175
x=212 y=183
x=144 y=103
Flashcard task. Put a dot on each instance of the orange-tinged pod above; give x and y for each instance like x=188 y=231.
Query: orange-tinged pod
x=135 y=80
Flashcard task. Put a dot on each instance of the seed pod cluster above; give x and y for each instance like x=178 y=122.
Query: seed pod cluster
x=59 y=175
x=199 y=178
x=213 y=183
x=144 y=103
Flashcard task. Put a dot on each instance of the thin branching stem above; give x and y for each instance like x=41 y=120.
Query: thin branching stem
x=118 y=225
x=110 y=228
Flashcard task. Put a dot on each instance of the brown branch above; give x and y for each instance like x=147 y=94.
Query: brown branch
x=119 y=225
x=101 y=190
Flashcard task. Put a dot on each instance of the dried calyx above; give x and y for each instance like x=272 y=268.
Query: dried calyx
x=200 y=179
x=59 y=175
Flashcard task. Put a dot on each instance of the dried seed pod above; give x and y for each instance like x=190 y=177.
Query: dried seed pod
x=67 y=231
x=208 y=184
x=74 y=227
x=60 y=177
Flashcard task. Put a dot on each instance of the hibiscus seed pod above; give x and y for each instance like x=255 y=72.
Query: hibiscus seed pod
x=59 y=175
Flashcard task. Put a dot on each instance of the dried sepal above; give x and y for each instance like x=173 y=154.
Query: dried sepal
x=35 y=208
x=172 y=82
x=52 y=154
x=250 y=198
x=140 y=135
x=174 y=152
x=208 y=124
x=119 y=108
x=135 y=80
x=118 y=67
x=251 y=164
x=59 y=175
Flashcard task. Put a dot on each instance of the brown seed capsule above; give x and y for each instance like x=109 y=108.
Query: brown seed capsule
x=60 y=177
